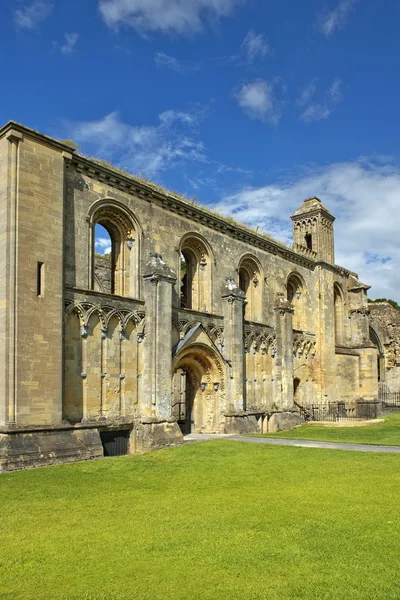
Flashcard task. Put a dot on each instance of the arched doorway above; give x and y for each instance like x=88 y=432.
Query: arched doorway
x=184 y=386
x=198 y=390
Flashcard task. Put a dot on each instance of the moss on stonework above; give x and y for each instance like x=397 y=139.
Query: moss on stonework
x=190 y=200
x=106 y=256
x=388 y=300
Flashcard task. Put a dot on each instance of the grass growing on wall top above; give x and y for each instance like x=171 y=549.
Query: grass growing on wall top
x=216 y=520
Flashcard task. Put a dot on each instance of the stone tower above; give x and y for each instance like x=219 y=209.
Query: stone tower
x=313 y=230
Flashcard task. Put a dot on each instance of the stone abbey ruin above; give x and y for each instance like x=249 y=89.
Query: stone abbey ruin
x=192 y=324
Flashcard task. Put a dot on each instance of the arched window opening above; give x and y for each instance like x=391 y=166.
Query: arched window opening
x=373 y=336
x=244 y=283
x=188 y=271
x=338 y=314
x=244 y=280
x=195 y=275
x=291 y=291
x=295 y=293
x=114 y=264
x=104 y=260
x=308 y=240
x=250 y=284
x=294 y=288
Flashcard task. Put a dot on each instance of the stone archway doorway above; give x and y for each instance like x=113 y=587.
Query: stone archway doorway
x=183 y=390
x=198 y=391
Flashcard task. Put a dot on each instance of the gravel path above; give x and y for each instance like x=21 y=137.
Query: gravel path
x=198 y=437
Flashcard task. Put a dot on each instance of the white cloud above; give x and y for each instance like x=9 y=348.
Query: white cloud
x=145 y=149
x=329 y=21
x=307 y=93
x=258 y=101
x=315 y=112
x=335 y=91
x=70 y=43
x=254 y=46
x=179 y=66
x=167 y=16
x=363 y=196
x=30 y=15
x=103 y=245
x=319 y=110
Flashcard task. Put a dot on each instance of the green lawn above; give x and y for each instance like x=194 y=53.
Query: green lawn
x=216 y=520
x=384 y=434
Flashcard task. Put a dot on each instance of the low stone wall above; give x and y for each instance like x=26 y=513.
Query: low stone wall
x=23 y=450
x=282 y=422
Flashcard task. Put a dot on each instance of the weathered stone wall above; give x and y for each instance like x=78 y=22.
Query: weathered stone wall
x=273 y=346
x=385 y=321
x=348 y=375
x=103 y=273
x=4 y=275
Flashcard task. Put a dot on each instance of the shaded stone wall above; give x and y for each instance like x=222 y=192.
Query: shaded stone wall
x=103 y=273
x=385 y=320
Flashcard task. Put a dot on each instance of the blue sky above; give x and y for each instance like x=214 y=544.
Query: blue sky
x=250 y=105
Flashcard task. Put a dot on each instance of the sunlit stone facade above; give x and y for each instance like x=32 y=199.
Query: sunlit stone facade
x=191 y=324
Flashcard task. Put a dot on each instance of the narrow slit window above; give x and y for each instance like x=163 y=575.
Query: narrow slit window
x=40 y=279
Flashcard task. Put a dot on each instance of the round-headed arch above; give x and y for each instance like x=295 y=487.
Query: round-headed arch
x=251 y=282
x=117 y=272
x=196 y=261
x=295 y=286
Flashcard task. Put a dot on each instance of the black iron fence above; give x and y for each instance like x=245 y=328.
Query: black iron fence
x=344 y=411
x=357 y=410
x=390 y=400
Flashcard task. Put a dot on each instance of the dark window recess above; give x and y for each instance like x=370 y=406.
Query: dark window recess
x=308 y=239
x=115 y=443
x=40 y=279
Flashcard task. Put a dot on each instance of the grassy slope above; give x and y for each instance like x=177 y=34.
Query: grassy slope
x=217 y=520
x=385 y=434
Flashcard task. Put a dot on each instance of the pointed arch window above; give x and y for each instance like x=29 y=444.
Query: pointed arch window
x=338 y=314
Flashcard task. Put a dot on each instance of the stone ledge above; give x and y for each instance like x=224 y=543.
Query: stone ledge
x=40 y=448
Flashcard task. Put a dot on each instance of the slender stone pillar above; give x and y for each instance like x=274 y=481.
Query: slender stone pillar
x=158 y=282
x=237 y=419
x=157 y=427
x=283 y=376
x=233 y=343
x=325 y=366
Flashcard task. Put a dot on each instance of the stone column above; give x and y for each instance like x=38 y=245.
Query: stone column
x=157 y=427
x=237 y=420
x=233 y=343
x=325 y=362
x=283 y=375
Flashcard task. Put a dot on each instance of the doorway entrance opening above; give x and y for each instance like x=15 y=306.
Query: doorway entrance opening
x=198 y=390
x=182 y=404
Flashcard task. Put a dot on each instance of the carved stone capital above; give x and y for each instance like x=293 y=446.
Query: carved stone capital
x=156 y=270
x=231 y=291
x=282 y=304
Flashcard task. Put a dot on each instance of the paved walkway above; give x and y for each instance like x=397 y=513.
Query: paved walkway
x=199 y=437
